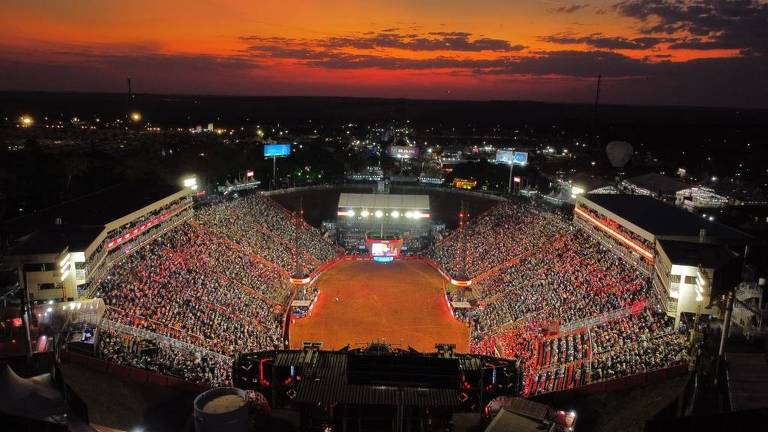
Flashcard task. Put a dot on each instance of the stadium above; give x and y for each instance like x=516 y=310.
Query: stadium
x=513 y=299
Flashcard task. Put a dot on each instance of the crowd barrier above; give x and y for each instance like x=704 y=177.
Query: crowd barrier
x=132 y=373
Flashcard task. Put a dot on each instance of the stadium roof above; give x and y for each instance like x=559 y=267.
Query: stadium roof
x=384 y=201
x=661 y=219
x=657 y=183
x=330 y=384
x=99 y=208
x=56 y=238
x=690 y=253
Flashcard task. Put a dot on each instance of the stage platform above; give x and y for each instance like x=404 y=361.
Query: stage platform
x=401 y=303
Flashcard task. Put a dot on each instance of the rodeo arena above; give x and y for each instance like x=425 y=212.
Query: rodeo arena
x=379 y=319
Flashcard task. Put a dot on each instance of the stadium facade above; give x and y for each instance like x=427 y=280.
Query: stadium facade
x=692 y=261
x=61 y=252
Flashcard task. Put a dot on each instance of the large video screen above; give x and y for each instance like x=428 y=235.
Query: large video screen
x=384 y=249
x=277 y=150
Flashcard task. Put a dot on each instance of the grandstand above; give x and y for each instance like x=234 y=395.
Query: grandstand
x=691 y=260
x=61 y=252
x=547 y=294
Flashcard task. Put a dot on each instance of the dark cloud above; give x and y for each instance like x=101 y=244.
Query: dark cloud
x=388 y=39
x=597 y=40
x=95 y=70
x=334 y=59
x=556 y=75
x=709 y=24
x=577 y=64
x=569 y=9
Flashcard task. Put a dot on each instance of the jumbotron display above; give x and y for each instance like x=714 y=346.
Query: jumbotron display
x=384 y=247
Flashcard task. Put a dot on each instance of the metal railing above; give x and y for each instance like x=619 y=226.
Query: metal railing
x=174 y=343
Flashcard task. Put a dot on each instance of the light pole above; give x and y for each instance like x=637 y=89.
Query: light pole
x=274 y=172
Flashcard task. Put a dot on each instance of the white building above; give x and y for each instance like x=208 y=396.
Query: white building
x=62 y=251
x=690 y=259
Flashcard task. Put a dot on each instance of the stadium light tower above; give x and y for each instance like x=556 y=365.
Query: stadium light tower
x=461 y=279
x=299 y=277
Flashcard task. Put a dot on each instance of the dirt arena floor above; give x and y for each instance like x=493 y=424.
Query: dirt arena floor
x=401 y=303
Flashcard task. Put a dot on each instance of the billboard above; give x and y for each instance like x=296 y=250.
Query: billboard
x=403 y=152
x=505 y=156
x=511 y=157
x=277 y=150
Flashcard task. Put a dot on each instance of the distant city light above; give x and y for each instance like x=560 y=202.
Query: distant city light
x=136 y=116
x=26 y=121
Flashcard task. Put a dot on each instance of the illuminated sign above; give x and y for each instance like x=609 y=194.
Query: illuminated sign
x=140 y=229
x=403 y=152
x=383 y=259
x=615 y=234
x=511 y=157
x=461 y=183
x=277 y=150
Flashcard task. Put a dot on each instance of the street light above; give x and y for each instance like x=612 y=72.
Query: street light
x=26 y=121
x=136 y=116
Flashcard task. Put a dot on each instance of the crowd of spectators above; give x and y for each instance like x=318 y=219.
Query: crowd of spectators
x=189 y=365
x=262 y=227
x=573 y=277
x=504 y=233
x=218 y=282
x=176 y=286
x=536 y=271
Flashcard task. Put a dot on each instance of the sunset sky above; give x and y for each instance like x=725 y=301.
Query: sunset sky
x=702 y=52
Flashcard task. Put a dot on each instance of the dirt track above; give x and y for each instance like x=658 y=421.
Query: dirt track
x=401 y=303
